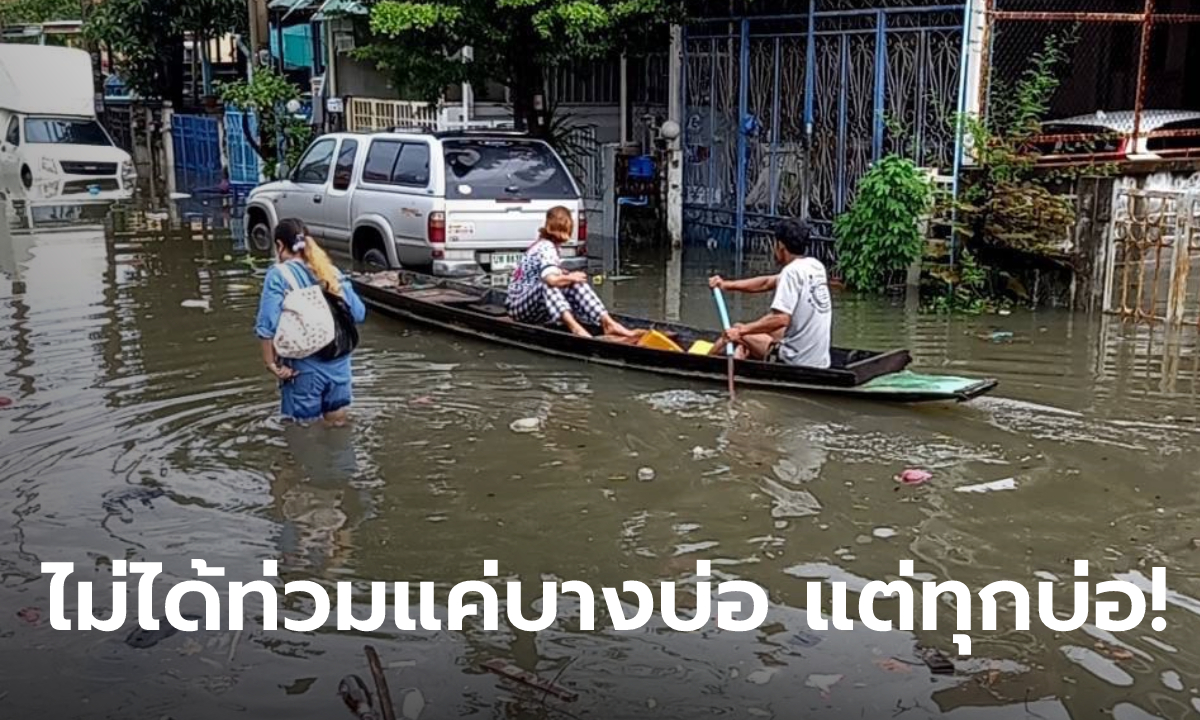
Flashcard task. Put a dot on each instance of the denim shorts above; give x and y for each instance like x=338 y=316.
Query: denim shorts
x=308 y=396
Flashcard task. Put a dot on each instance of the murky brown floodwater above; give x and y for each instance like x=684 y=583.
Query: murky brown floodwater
x=119 y=389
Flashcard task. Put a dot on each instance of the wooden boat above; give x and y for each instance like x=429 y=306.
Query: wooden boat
x=480 y=312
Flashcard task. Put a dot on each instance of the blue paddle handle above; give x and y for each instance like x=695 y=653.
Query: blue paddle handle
x=720 y=298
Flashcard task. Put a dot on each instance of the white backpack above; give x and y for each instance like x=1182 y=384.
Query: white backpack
x=306 y=324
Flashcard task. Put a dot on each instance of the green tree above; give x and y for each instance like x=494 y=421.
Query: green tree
x=16 y=12
x=267 y=95
x=146 y=37
x=513 y=42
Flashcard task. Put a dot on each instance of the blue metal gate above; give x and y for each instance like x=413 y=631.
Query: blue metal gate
x=784 y=113
x=197 y=140
x=243 y=161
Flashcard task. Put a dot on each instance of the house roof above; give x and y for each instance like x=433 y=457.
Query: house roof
x=333 y=8
x=324 y=9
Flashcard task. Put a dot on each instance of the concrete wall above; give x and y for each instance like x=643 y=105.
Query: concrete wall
x=361 y=79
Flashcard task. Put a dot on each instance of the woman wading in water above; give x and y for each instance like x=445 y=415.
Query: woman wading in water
x=311 y=387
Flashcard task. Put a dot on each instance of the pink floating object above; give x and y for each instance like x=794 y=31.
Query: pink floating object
x=913 y=476
x=30 y=615
x=5 y=401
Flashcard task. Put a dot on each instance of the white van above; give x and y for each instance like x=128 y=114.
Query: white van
x=450 y=203
x=51 y=145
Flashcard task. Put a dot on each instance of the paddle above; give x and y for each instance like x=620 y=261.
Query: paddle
x=729 y=349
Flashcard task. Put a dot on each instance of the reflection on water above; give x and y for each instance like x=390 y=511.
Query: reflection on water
x=143 y=428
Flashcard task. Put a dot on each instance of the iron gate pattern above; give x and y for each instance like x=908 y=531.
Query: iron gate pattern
x=867 y=77
x=1155 y=242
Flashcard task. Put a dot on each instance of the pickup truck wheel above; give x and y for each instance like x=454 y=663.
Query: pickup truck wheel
x=260 y=237
x=375 y=260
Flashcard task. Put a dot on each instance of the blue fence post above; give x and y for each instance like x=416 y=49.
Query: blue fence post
x=743 y=109
x=712 y=120
x=881 y=60
x=843 y=105
x=810 y=60
x=773 y=158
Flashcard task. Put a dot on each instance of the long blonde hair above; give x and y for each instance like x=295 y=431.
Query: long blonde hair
x=294 y=236
x=559 y=226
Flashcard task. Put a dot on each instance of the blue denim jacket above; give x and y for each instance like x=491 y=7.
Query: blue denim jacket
x=270 y=308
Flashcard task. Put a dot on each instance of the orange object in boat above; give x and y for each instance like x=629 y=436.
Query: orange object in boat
x=656 y=340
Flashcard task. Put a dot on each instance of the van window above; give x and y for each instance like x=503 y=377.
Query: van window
x=344 y=170
x=313 y=168
x=13 y=137
x=55 y=131
x=394 y=162
x=505 y=169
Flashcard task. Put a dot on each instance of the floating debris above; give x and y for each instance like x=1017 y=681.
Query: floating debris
x=526 y=425
x=31 y=615
x=761 y=677
x=883 y=533
x=823 y=683
x=197 y=304
x=5 y=401
x=357 y=697
x=414 y=703
x=938 y=663
x=913 y=476
x=994 y=486
x=646 y=474
x=512 y=672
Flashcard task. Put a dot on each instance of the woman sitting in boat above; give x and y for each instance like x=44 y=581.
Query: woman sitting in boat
x=542 y=293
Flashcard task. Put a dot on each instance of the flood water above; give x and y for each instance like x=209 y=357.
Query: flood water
x=142 y=427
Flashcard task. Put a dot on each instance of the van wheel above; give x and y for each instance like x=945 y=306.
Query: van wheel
x=260 y=237
x=375 y=260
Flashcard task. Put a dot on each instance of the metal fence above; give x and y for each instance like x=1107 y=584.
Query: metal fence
x=372 y=115
x=1155 y=244
x=785 y=113
x=1126 y=80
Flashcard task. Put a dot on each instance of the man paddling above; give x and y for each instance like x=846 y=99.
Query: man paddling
x=796 y=330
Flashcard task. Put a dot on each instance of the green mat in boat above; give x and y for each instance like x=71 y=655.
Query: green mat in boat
x=910 y=382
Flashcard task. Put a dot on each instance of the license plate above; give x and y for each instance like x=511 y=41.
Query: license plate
x=505 y=261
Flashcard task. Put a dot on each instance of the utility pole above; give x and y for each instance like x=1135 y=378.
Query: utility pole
x=257 y=15
x=674 y=138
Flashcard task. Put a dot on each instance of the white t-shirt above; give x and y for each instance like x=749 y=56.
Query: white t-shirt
x=803 y=293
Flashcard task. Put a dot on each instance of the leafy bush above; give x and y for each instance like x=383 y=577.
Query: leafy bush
x=880 y=235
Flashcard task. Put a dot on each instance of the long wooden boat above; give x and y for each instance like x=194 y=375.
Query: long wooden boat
x=480 y=312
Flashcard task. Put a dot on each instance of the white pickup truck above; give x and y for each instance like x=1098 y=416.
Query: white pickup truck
x=453 y=204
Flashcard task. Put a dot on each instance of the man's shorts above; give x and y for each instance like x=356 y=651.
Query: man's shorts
x=773 y=353
x=309 y=396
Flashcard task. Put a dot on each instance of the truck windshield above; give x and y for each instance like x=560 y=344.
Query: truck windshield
x=505 y=170
x=58 y=131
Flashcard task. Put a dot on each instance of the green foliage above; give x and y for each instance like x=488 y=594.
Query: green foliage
x=267 y=95
x=266 y=91
x=146 y=37
x=17 y=12
x=881 y=233
x=966 y=289
x=418 y=42
x=1008 y=202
